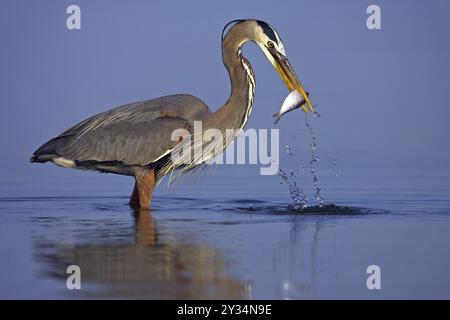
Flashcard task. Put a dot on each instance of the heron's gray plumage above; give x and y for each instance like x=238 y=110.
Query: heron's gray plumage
x=135 y=134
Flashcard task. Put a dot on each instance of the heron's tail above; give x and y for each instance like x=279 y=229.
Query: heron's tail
x=46 y=152
x=41 y=158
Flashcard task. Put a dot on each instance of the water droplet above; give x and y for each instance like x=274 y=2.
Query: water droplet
x=288 y=150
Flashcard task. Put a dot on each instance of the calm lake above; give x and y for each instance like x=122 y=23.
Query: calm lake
x=226 y=235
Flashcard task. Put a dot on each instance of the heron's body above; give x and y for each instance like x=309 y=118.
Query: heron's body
x=136 y=139
x=122 y=140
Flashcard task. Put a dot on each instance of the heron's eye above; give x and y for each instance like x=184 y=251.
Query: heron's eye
x=270 y=44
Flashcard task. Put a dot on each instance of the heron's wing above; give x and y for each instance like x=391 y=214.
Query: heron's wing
x=134 y=134
x=179 y=105
x=128 y=141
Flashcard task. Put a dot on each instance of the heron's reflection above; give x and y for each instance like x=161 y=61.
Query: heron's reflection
x=145 y=228
x=155 y=266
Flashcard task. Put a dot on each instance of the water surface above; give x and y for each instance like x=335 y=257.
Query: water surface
x=223 y=242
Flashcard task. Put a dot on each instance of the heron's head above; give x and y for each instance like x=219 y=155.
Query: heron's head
x=267 y=38
x=270 y=43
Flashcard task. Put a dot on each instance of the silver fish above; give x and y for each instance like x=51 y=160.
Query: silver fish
x=293 y=101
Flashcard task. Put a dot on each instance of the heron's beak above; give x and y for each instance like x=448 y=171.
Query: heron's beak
x=289 y=77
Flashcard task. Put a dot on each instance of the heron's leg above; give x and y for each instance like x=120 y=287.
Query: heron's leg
x=145 y=183
x=134 y=199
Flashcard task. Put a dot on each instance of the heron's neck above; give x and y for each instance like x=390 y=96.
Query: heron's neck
x=235 y=112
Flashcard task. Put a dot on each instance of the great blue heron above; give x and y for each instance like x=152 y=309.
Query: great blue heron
x=136 y=139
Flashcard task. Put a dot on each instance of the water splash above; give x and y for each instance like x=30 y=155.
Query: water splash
x=314 y=160
x=297 y=193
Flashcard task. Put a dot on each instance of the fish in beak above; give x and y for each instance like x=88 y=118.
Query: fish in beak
x=293 y=101
x=289 y=77
x=286 y=72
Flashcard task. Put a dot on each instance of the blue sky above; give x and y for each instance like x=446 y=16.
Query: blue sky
x=383 y=94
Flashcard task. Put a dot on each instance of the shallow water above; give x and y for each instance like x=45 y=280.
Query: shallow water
x=202 y=244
